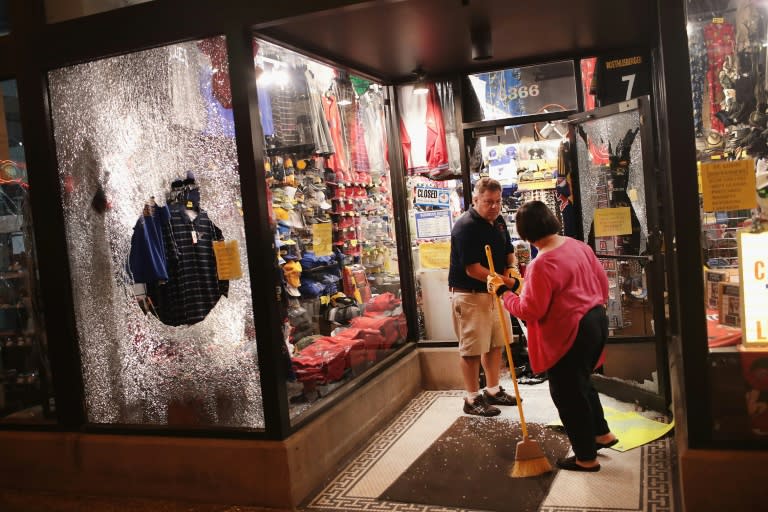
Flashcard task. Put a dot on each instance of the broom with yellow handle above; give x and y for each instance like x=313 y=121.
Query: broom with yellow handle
x=529 y=458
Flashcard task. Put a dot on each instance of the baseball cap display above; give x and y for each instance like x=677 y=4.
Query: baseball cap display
x=319 y=197
x=292 y=272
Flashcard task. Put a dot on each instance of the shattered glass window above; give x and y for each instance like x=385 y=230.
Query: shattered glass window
x=610 y=157
x=615 y=217
x=151 y=197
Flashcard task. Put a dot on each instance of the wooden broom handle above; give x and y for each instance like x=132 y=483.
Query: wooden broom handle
x=507 y=347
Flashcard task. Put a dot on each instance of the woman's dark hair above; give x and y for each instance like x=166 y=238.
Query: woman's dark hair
x=535 y=221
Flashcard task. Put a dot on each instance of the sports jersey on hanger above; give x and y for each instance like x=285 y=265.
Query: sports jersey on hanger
x=698 y=61
x=339 y=161
x=587 y=76
x=422 y=131
x=719 y=41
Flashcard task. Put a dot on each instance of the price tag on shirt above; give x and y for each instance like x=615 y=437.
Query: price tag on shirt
x=194 y=237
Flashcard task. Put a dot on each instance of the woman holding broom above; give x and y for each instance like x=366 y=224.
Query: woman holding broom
x=563 y=302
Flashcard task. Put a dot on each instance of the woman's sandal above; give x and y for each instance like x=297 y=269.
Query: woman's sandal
x=569 y=463
x=606 y=445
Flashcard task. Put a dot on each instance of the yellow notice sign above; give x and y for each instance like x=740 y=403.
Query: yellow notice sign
x=322 y=237
x=227 y=259
x=728 y=185
x=698 y=175
x=613 y=221
x=753 y=263
x=435 y=254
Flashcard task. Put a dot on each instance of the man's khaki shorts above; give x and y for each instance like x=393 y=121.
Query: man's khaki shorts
x=476 y=323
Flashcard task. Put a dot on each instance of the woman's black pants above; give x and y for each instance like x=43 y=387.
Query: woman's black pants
x=571 y=389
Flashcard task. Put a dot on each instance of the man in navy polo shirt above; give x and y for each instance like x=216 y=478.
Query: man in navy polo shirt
x=475 y=321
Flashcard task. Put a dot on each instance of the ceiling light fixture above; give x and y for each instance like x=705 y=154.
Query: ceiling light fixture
x=480 y=40
x=421 y=86
x=346 y=93
x=547 y=130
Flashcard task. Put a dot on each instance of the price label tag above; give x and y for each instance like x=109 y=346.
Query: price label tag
x=227 y=259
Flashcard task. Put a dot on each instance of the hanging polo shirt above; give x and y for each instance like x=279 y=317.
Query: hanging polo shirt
x=469 y=236
x=193 y=286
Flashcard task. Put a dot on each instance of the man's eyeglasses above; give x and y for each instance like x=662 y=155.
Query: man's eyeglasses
x=491 y=203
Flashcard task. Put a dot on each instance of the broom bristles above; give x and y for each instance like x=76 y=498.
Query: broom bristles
x=529 y=460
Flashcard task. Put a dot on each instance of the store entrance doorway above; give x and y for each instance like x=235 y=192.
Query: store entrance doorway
x=618 y=216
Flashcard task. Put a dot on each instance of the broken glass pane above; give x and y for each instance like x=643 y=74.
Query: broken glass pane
x=148 y=167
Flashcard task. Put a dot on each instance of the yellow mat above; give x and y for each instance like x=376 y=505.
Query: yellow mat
x=631 y=428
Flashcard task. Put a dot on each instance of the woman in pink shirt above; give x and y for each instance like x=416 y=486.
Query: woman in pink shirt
x=563 y=303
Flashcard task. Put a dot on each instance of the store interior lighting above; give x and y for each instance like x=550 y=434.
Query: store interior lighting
x=480 y=39
x=272 y=72
x=547 y=130
x=421 y=86
x=346 y=93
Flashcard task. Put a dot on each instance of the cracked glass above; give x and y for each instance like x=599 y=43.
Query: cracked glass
x=151 y=198
x=614 y=216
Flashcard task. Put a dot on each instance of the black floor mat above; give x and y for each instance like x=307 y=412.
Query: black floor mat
x=468 y=467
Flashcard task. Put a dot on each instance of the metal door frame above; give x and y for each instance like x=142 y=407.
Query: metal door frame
x=656 y=281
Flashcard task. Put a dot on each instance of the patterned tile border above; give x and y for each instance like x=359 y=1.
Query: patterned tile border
x=657 y=493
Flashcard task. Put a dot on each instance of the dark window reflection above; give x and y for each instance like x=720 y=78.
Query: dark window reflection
x=25 y=381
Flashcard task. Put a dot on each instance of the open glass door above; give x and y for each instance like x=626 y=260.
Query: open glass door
x=619 y=220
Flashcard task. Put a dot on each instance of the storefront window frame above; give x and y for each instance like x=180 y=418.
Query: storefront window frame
x=687 y=334
x=703 y=364
x=33 y=289
x=114 y=32
x=397 y=183
x=66 y=358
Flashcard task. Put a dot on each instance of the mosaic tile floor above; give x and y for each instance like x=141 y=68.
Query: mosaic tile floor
x=637 y=480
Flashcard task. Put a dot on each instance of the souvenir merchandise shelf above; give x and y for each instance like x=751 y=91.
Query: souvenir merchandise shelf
x=719 y=236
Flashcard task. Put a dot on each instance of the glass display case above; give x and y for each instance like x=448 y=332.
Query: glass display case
x=727 y=53
x=331 y=211
x=435 y=197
